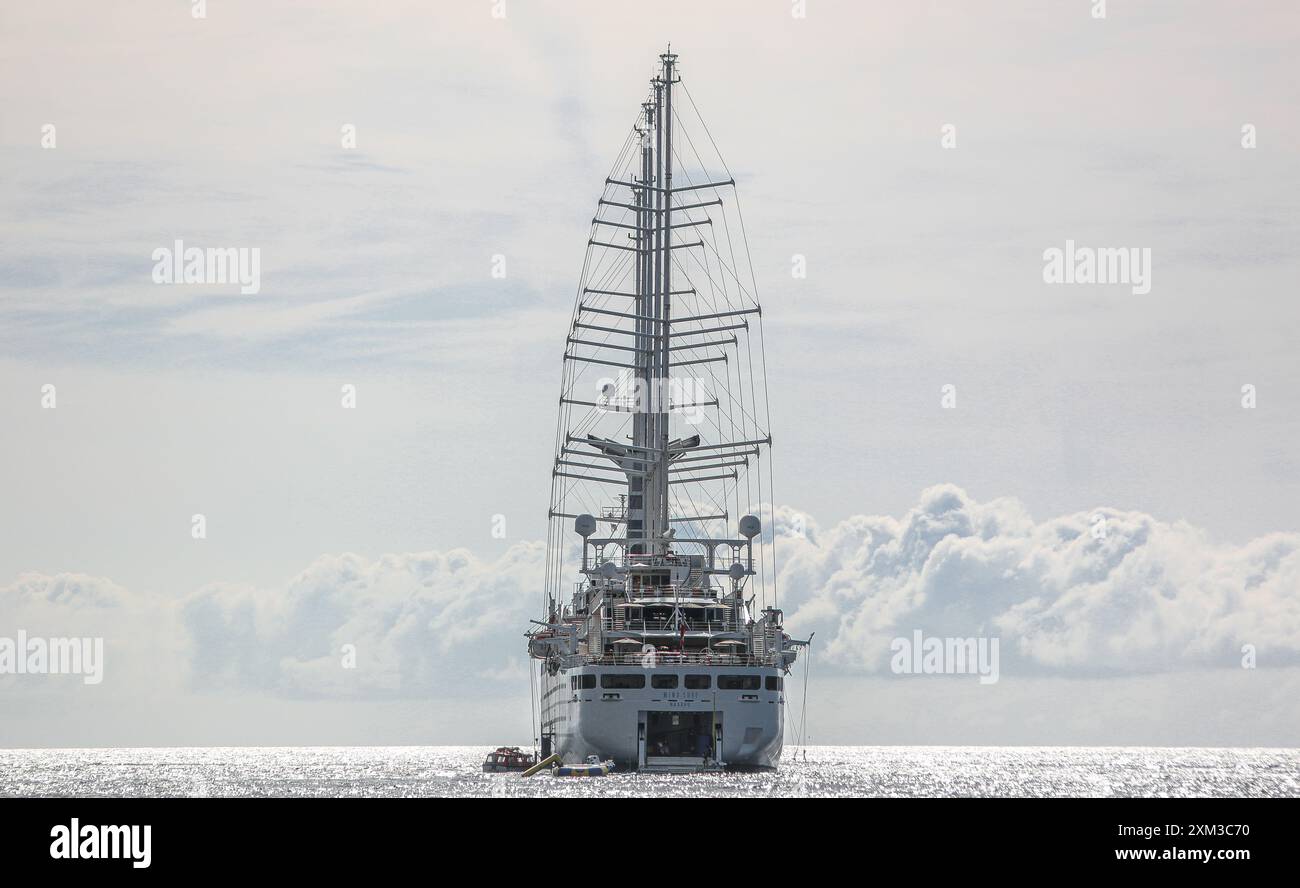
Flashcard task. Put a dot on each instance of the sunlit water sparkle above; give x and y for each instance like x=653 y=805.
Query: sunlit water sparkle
x=828 y=771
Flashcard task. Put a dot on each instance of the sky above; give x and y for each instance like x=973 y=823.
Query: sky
x=486 y=129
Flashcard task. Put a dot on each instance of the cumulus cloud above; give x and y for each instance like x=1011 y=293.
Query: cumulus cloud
x=1091 y=593
x=1144 y=597
x=134 y=628
x=409 y=625
x=421 y=623
x=37 y=595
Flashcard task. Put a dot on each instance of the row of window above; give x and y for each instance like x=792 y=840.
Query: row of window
x=668 y=682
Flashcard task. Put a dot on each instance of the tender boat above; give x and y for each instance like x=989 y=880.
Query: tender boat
x=508 y=758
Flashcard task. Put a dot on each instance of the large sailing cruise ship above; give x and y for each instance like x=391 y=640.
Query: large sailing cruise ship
x=668 y=652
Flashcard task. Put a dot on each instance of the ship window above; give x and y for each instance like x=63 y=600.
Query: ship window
x=697 y=682
x=588 y=681
x=775 y=682
x=611 y=680
x=663 y=682
x=738 y=682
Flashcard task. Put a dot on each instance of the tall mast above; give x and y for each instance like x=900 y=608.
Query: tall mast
x=635 y=512
x=665 y=194
x=655 y=507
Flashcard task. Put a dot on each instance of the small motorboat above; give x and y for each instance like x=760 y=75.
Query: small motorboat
x=593 y=767
x=508 y=758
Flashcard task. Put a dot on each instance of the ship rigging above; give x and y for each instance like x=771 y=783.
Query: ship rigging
x=669 y=651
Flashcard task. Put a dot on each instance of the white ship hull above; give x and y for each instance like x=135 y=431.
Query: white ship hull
x=666 y=728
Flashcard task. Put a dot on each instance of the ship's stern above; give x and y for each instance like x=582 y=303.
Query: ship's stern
x=672 y=718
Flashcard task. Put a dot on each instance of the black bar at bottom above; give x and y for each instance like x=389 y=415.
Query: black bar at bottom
x=487 y=838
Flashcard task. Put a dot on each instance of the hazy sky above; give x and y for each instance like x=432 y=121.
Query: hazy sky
x=478 y=135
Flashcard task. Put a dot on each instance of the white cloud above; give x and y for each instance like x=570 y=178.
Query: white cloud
x=422 y=624
x=141 y=647
x=38 y=594
x=1149 y=596
x=1133 y=618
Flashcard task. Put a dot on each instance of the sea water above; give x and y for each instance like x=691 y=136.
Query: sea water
x=814 y=771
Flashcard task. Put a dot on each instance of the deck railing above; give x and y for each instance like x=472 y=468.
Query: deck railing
x=685 y=593
x=614 y=624
x=667 y=658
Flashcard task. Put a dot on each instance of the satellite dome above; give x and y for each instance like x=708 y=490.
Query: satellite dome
x=750 y=526
x=585 y=525
x=736 y=571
